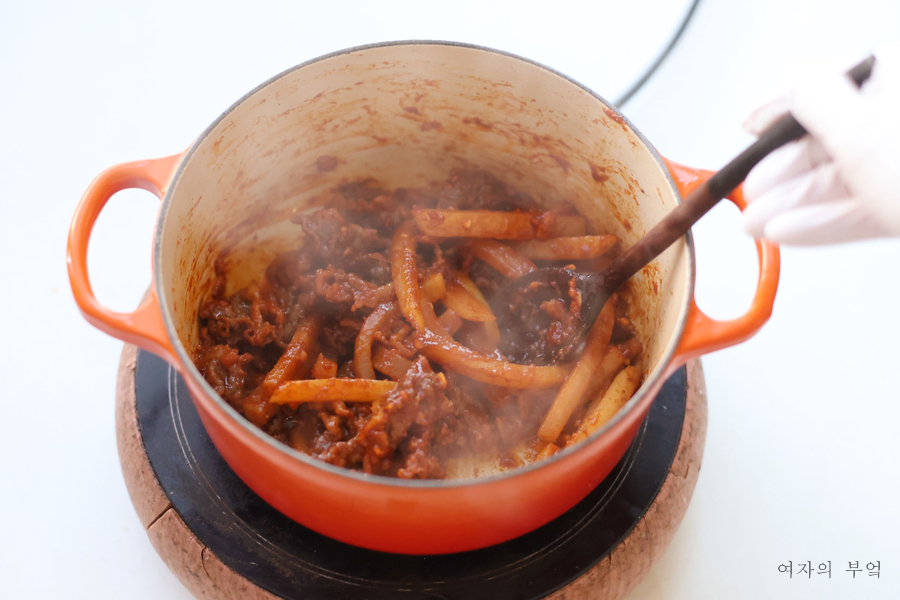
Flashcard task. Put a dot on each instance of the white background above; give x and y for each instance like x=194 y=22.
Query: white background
x=800 y=460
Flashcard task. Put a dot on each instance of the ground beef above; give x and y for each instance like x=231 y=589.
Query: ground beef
x=544 y=322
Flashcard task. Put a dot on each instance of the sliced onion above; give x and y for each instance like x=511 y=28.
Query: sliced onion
x=490 y=325
x=450 y=321
x=333 y=390
x=510 y=263
x=496 y=224
x=405 y=275
x=568 y=248
x=297 y=354
x=444 y=350
x=362 y=352
x=390 y=363
x=605 y=406
x=434 y=288
x=464 y=303
x=570 y=394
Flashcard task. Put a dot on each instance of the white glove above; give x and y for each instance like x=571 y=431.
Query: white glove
x=842 y=182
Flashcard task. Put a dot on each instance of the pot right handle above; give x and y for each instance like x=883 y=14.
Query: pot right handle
x=703 y=334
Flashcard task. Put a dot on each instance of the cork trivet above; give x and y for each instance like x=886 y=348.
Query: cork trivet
x=149 y=499
x=207 y=578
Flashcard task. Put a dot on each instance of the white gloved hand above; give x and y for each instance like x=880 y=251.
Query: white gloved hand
x=842 y=182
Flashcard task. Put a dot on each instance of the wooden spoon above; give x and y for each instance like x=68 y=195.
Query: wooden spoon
x=596 y=288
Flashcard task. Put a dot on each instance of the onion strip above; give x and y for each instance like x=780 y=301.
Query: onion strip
x=612 y=362
x=605 y=406
x=450 y=321
x=494 y=224
x=362 y=351
x=567 y=248
x=490 y=325
x=390 y=362
x=405 y=275
x=434 y=288
x=570 y=394
x=300 y=349
x=508 y=262
x=444 y=350
x=331 y=390
x=468 y=306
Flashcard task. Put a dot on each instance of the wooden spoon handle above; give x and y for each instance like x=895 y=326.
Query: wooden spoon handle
x=700 y=201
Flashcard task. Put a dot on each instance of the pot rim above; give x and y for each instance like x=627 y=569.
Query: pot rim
x=192 y=371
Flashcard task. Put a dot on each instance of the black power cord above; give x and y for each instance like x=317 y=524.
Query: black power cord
x=659 y=59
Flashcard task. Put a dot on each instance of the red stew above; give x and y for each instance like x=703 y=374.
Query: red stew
x=330 y=311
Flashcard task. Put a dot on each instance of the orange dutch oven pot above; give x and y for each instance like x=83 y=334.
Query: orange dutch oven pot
x=407 y=114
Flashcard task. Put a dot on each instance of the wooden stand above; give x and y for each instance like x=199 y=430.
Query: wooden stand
x=207 y=577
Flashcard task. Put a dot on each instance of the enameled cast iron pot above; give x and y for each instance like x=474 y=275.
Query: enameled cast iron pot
x=406 y=114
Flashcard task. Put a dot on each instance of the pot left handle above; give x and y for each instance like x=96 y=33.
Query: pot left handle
x=144 y=327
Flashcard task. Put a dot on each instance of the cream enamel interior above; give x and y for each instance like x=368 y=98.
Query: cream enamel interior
x=407 y=115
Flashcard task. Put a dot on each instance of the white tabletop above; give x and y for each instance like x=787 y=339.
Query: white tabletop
x=802 y=418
